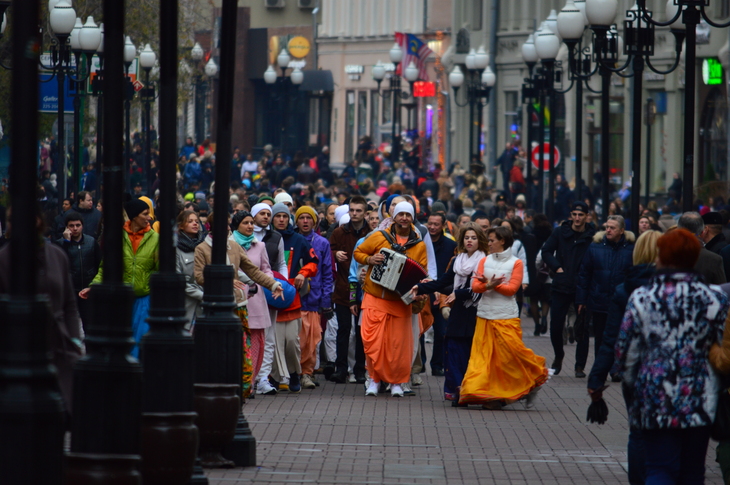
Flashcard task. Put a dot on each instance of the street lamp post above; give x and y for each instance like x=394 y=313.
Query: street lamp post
x=211 y=70
x=63 y=21
x=531 y=88
x=31 y=410
x=691 y=11
x=147 y=59
x=547 y=45
x=395 y=93
x=282 y=86
x=130 y=52
x=479 y=86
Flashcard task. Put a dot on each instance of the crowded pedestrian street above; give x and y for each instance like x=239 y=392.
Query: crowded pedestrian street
x=336 y=435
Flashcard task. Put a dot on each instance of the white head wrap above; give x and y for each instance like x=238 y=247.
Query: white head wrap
x=340 y=211
x=344 y=219
x=403 y=207
x=259 y=207
x=283 y=197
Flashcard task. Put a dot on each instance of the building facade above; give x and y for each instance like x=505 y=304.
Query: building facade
x=506 y=119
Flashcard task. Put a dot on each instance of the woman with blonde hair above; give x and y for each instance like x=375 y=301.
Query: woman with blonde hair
x=644 y=258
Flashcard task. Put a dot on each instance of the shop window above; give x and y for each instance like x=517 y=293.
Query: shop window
x=349 y=125
x=362 y=114
x=374 y=107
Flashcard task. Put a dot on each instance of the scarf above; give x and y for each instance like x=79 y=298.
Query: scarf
x=244 y=241
x=464 y=267
x=187 y=244
x=259 y=232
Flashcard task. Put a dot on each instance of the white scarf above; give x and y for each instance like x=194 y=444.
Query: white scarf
x=464 y=267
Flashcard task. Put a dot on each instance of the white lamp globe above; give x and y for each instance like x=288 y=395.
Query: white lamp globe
x=90 y=36
x=547 y=43
x=130 y=51
x=379 y=71
x=471 y=59
x=297 y=76
x=581 y=5
x=147 y=57
x=601 y=12
x=196 y=53
x=412 y=72
x=4 y=24
x=211 y=68
x=100 y=47
x=63 y=18
x=74 y=39
x=270 y=75
x=396 y=54
x=671 y=11
x=529 y=52
x=488 y=77
x=481 y=59
x=456 y=77
x=283 y=59
x=552 y=21
x=571 y=22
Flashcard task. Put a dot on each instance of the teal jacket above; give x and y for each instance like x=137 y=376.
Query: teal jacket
x=138 y=267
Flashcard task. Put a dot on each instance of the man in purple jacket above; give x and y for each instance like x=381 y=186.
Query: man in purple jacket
x=318 y=301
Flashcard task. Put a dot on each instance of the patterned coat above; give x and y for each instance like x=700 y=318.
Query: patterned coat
x=662 y=351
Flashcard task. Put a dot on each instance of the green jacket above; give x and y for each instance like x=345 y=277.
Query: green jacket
x=138 y=267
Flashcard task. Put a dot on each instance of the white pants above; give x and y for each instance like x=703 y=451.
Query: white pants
x=351 y=346
x=330 y=340
x=269 y=347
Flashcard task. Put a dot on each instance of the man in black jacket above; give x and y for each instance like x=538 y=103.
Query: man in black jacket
x=90 y=215
x=563 y=253
x=84 y=256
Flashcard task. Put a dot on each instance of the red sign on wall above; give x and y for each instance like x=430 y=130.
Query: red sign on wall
x=424 y=89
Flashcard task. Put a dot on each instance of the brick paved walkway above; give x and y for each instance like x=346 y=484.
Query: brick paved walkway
x=334 y=434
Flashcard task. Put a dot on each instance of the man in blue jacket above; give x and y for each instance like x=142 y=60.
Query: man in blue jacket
x=318 y=301
x=563 y=253
x=603 y=268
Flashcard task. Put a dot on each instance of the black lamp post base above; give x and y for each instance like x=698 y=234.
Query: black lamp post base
x=242 y=450
x=31 y=408
x=108 y=378
x=198 y=477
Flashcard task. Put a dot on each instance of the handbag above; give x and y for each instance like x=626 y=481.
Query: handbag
x=720 y=430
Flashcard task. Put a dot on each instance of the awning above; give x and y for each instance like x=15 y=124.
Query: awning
x=319 y=80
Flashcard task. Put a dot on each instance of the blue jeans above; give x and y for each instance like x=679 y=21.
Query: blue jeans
x=675 y=456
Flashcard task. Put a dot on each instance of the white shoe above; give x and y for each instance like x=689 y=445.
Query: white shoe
x=352 y=379
x=396 y=390
x=416 y=380
x=372 y=389
x=265 y=387
x=531 y=398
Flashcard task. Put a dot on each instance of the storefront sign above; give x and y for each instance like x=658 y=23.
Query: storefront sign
x=711 y=71
x=354 y=71
x=298 y=47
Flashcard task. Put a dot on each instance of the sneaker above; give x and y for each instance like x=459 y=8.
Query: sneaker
x=531 y=398
x=372 y=389
x=407 y=391
x=295 y=385
x=396 y=390
x=437 y=372
x=265 y=388
x=579 y=372
x=283 y=387
x=308 y=382
x=352 y=379
x=416 y=380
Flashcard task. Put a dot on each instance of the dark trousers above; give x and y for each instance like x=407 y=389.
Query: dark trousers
x=559 y=306
x=505 y=182
x=456 y=360
x=344 y=326
x=676 y=455
x=637 y=457
x=599 y=326
x=439 y=330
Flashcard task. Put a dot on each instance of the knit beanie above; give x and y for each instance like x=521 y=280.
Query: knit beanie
x=283 y=197
x=135 y=207
x=260 y=207
x=279 y=208
x=305 y=209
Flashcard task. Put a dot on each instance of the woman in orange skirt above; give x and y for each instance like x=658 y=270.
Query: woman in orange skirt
x=501 y=369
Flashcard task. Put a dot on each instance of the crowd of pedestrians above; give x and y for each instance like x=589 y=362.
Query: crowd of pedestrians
x=303 y=243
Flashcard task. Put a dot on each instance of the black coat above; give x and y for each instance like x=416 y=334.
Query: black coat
x=636 y=276
x=91 y=218
x=84 y=257
x=603 y=269
x=565 y=249
x=462 y=320
x=716 y=244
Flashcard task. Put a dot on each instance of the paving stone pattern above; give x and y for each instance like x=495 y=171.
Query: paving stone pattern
x=335 y=435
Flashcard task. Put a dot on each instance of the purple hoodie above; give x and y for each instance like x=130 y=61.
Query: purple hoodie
x=322 y=284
